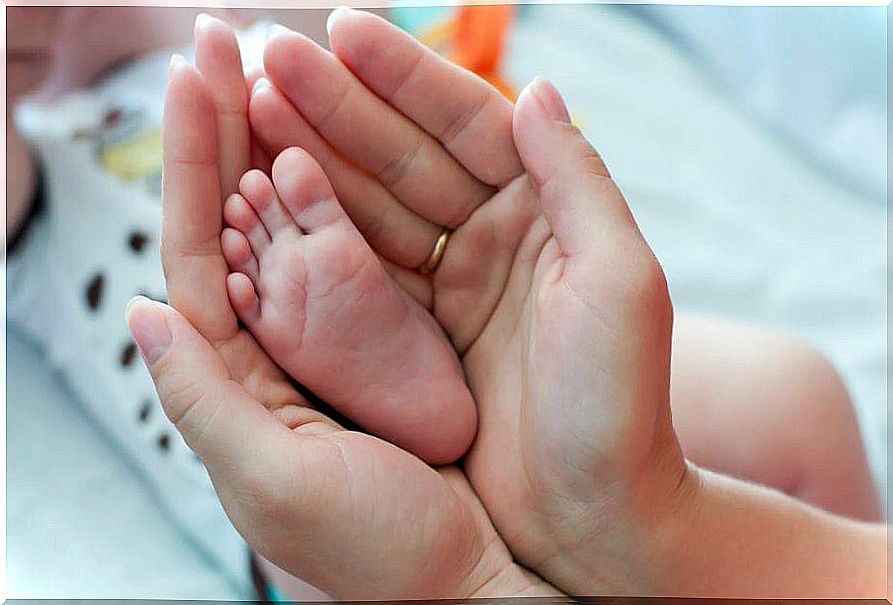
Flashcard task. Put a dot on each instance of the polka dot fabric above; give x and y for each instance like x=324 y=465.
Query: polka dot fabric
x=94 y=247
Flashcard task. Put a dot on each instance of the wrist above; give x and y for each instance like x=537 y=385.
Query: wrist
x=671 y=531
x=624 y=544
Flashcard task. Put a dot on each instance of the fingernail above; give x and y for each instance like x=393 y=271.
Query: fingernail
x=149 y=329
x=278 y=30
x=201 y=20
x=259 y=84
x=336 y=14
x=177 y=61
x=551 y=100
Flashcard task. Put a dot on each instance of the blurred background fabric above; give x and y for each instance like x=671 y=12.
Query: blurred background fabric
x=814 y=75
x=751 y=145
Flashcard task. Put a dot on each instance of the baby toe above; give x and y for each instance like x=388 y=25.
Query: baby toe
x=243 y=298
x=238 y=254
x=257 y=189
x=240 y=215
x=305 y=190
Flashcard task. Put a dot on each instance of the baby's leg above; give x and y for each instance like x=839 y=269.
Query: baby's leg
x=766 y=407
x=320 y=303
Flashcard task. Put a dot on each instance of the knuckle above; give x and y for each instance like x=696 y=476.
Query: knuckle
x=459 y=122
x=178 y=392
x=590 y=162
x=396 y=169
x=188 y=401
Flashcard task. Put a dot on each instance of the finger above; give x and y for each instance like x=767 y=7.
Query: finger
x=218 y=59
x=412 y=282
x=219 y=420
x=392 y=230
x=578 y=198
x=370 y=133
x=194 y=267
x=467 y=115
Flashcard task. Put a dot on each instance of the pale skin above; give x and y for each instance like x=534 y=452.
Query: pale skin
x=632 y=448
x=250 y=368
x=318 y=300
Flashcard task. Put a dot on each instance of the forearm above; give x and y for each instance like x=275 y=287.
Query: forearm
x=728 y=538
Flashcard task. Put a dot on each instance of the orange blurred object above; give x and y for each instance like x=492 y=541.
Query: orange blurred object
x=479 y=34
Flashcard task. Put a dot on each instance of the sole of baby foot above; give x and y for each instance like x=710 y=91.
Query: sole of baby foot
x=318 y=300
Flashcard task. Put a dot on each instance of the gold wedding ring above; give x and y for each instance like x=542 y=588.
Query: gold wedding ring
x=437 y=253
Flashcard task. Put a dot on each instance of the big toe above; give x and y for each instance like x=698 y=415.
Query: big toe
x=306 y=191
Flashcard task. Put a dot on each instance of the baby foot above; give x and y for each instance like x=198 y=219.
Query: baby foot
x=316 y=297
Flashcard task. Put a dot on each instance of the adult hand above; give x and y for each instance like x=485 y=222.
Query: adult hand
x=547 y=288
x=564 y=321
x=351 y=514
x=328 y=505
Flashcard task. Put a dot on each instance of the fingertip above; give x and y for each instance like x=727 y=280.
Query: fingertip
x=542 y=129
x=202 y=20
x=186 y=90
x=177 y=63
x=139 y=305
x=525 y=105
x=283 y=54
x=149 y=328
x=185 y=83
x=342 y=25
x=218 y=58
x=277 y=30
x=335 y=16
x=205 y=23
x=133 y=304
x=267 y=109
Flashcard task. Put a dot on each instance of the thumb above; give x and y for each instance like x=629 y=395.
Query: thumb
x=219 y=420
x=577 y=196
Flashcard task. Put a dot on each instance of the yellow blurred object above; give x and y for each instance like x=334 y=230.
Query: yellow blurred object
x=135 y=157
x=439 y=35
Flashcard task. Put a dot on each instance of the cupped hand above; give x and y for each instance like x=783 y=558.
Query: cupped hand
x=547 y=288
x=352 y=514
